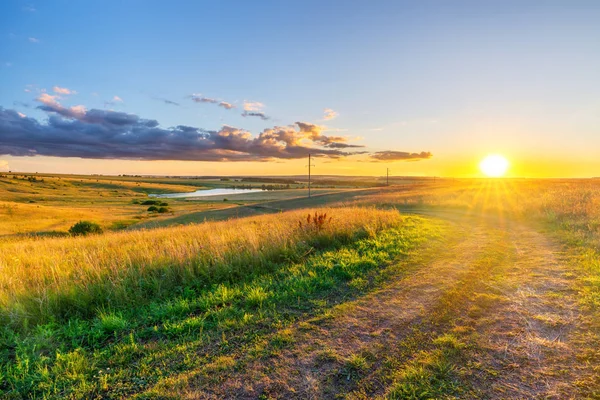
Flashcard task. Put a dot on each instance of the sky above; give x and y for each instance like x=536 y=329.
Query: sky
x=251 y=88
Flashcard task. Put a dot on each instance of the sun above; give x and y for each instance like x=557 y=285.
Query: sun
x=494 y=165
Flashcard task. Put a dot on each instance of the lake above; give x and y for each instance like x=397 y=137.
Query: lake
x=205 y=192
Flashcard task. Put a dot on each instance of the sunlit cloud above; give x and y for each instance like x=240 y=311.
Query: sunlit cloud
x=117 y=99
x=226 y=105
x=51 y=104
x=253 y=106
x=64 y=91
x=329 y=114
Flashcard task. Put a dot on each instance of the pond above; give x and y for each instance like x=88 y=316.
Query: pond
x=204 y=192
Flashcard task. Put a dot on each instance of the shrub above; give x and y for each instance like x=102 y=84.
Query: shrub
x=83 y=228
x=164 y=204
x=163 y=210
x=150 y=202
x=152 y=209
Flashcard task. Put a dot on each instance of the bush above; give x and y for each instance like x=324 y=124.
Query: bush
x=150 y=202
x=163 y=210
x=163 y=204
x=83 y=228
x=152 y=209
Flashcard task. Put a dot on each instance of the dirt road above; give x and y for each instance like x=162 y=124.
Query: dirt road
x=500 y=292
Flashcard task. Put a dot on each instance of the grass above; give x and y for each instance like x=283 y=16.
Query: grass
x=81 y=356
x=57 y=278
x=157 y=313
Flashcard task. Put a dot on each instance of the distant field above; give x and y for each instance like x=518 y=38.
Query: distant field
x=44 y=204
x=242 y=209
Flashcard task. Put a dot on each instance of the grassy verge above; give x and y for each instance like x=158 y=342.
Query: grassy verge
x=263 y=277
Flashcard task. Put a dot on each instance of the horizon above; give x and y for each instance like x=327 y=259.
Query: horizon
x=427 y=89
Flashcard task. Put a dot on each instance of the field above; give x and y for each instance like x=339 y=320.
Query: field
x=420 y=290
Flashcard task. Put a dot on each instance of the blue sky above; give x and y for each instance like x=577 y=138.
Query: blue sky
x=456 y=79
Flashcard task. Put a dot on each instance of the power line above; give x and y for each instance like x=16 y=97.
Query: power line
x=309 y=165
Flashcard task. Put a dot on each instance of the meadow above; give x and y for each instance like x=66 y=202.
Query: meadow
x=446 y=289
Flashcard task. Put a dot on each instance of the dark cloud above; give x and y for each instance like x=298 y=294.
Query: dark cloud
x=400 y=156
x=220 y=103
x=255 y=114
x=167 y=101
x=338 y=145
x=102 y=134
x=199 y=99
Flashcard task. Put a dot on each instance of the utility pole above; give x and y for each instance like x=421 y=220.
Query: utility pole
x=309 y=165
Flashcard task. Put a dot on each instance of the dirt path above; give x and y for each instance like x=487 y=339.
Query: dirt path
x=528 y=332
x=501 y=287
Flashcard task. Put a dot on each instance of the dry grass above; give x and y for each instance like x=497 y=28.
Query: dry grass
x=573 y=203
x=70 y=276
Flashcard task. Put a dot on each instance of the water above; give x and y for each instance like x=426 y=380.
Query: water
x=205 y=192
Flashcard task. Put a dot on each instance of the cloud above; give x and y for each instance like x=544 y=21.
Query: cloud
x=29 y=8
x=34 y=40
x=399 y=156
x=201 y=99
x=226 y=105
x=329 y=114
x=113 y=101
x=102 y=134
x=253 y=106
x=4 y=166
x=167 y=101
x=51 y=104
x=255 y=114
x=65 y=91
x=8 y=64
x=21 y=115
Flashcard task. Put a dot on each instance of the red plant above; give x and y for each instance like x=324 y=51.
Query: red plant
x=316 y=222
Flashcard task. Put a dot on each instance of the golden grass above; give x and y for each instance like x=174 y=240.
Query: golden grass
x=62 y=277
x=573 y=202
